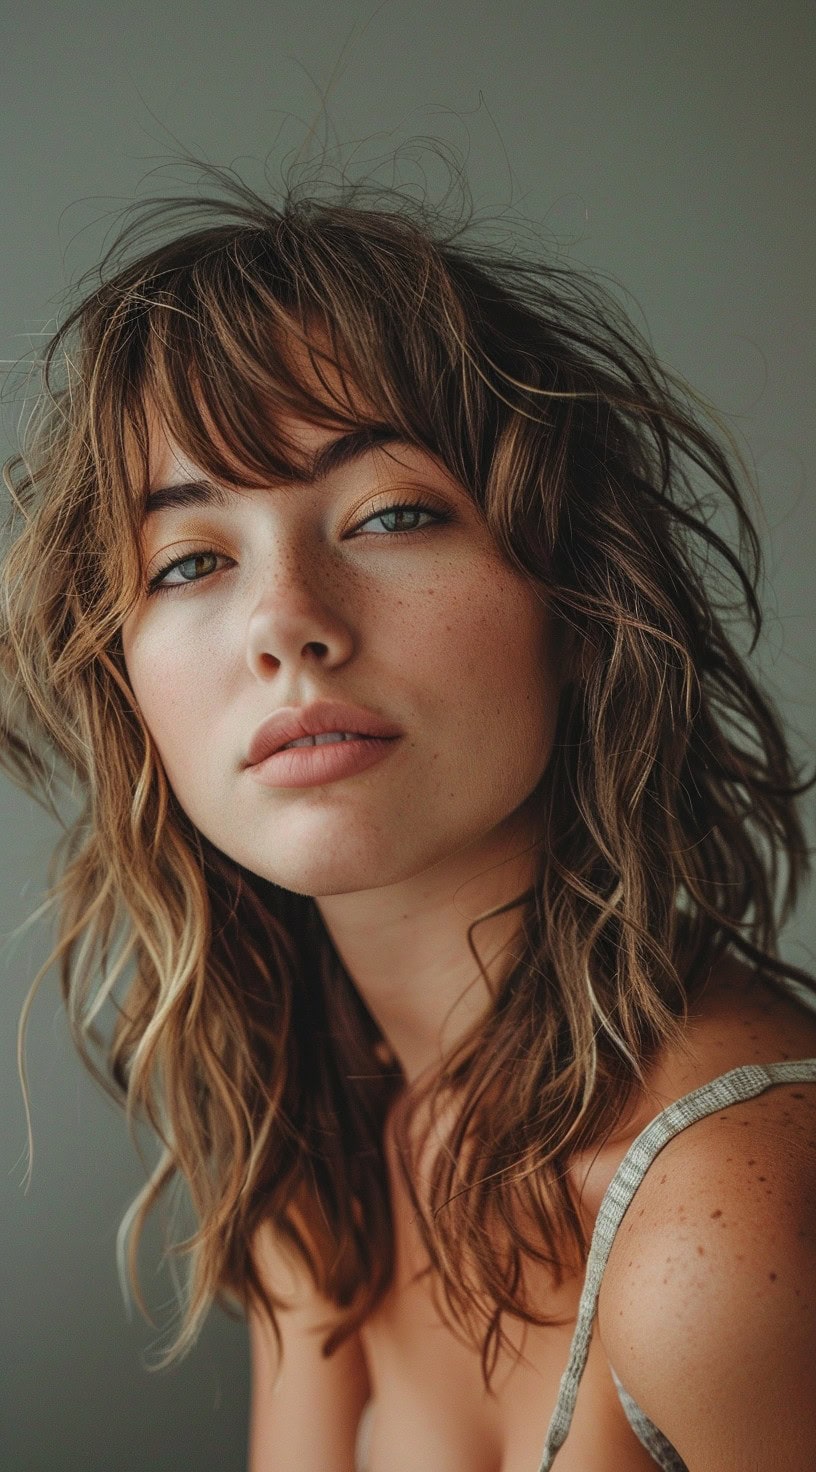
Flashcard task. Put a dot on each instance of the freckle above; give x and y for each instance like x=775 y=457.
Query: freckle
x=701 y=1252
x=662 y=1179
x=762 y=1178
x=715 y=1214
x=745 y=1123
x=797 y=1096
x=772 y=1277
x=642 y=1209
x=752 y=1162
x=740 y=1257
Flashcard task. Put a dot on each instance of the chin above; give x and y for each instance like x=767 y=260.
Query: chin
x=322 y=876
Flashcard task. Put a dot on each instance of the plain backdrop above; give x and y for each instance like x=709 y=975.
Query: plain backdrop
x=669 y=146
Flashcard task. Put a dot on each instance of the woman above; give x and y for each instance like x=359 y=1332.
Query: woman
x=465 y=1028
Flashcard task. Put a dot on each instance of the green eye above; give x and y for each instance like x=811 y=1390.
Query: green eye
x=203 y=560
x=401 y=509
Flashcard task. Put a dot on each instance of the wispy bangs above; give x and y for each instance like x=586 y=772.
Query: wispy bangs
x=228 y=346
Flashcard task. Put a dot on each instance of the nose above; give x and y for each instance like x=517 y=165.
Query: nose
x=292 y=621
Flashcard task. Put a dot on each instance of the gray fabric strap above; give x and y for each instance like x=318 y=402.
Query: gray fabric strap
x=730 y=1088
x=659 y=1447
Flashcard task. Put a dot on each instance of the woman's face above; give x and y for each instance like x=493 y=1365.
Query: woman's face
x=291 y=594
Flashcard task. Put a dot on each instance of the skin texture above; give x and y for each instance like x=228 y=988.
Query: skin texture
x=429 y=628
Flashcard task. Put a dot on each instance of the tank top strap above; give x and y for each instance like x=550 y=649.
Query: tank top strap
x=733 y=1087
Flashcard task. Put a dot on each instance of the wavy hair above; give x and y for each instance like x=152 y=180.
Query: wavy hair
x=669 y=811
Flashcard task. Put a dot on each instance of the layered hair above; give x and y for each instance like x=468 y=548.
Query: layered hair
x=668 y=808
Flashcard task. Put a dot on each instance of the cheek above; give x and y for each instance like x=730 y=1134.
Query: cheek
x=171 y=688
x=490 y=647
x=505 y=633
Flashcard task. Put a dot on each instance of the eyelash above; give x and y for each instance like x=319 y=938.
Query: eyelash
x=155 y=585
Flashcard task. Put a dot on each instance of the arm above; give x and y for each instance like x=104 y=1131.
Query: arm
x=305 y=1411
x=708 y=1307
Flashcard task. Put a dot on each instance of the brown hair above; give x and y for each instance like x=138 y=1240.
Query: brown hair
x=238 y=1033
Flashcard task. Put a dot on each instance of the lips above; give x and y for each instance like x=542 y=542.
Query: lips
x=290 y=723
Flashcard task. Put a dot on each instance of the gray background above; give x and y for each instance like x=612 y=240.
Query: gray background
x=670 y=146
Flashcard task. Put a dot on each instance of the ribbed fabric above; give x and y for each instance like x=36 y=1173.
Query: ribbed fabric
x=730 y=1088
x=645 y=1430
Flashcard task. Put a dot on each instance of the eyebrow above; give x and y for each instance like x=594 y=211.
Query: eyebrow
x=343 y=450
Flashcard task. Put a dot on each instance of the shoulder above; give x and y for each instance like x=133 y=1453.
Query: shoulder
x=737 y=1018
x=707 y=1309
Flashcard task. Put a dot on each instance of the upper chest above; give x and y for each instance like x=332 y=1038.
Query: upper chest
x=430 y=1406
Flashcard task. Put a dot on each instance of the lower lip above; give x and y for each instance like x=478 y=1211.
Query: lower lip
x=311 y=766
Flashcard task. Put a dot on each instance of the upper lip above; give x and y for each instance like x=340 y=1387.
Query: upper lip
x=293 y=721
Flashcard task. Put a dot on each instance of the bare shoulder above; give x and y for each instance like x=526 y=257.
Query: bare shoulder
x=739 y=1017
x=747 y=1167
x=707 y=1309
x=728 y=1193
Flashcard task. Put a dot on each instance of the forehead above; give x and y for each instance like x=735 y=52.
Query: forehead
x=323 y=453
x=291 y=440
x=325 y=403
x=167 y=458
x=321 y=379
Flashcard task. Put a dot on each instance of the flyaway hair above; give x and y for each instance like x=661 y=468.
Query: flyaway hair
x=669 y=806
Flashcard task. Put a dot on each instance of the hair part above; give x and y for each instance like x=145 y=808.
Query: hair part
x=239 y=1035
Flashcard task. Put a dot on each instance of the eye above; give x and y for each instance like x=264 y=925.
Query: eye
x=401 y=509
x=202 y=561
x=160 y=583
